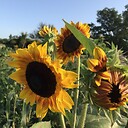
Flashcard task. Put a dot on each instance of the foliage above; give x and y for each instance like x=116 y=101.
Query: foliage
x=112 y=27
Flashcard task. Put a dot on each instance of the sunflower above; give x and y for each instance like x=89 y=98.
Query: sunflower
x=43 y=80
x=68 y=46
x=48 y=30
x=98 y=65
x=114 y=93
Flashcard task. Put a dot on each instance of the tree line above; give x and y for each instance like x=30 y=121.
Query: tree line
x=112 y=27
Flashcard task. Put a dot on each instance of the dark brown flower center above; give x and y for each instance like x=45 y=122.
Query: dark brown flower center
x=115 y=94
x=70 y=44
x=40 y=79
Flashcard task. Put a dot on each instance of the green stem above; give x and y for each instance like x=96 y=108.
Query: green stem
x=62 y=122
x=111 y=117
x=76 y=96
x=54 y=51
x=23 y=118
x=83 y=116
x=30 y=112
x=14 y=111
x=7 y=111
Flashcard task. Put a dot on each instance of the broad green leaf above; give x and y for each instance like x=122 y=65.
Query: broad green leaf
x=42 y=125
x=94 y=121
x=87 y=43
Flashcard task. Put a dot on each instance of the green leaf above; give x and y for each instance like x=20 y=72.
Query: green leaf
x=87 y=43
x=116 y=58
x=69 y=117
x=94 y=121
x=120 y=123
x=42 y=125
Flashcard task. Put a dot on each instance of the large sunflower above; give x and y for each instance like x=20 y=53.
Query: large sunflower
x=68 y=46
x=114 y=93
x=43 y=80
x=98 y=65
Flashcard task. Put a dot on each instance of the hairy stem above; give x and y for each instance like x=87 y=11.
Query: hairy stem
x=83 y=116
x=62 y=121
x=76 y=96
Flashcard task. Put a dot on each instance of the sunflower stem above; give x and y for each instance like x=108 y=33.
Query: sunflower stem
x=14 y=111
x=111 y=117
x=76 y=96
x=54 y=52
x=23 y=119
x=83 y=116
x=62 y=121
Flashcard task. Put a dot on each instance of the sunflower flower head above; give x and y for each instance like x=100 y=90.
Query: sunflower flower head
x=99 y=54
x=48 y=31
x=97 y=64
x=43 y=80
x=114 y=93
x=68 y=47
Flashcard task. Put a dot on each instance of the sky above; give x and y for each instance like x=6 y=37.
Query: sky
x=18 y=16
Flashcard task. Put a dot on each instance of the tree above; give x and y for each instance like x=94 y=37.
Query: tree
x=22 y=39
x=113 y=27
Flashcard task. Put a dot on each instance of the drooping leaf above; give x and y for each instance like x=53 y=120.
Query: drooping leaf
x=86 y=42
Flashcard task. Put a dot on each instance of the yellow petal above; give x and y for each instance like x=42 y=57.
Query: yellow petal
x=99 y=54
x=31 y=98
x=19 y=76
x=52 y=104
x=21 y=54
x=105 y=75
x=98 y=81
x=23 y=93
x=33 y=50
x=114 y=108
x=17 y=63
x=28 y=96
x=64 y=101
x=67 y=100
x=42 y=109
x=43 y=50
x=92 y=63
x=102 y=75
x=68 y=78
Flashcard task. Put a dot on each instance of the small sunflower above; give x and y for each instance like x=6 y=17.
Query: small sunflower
x=114 y=93
x=98 y=65
x=48 y=30
x=43 y=80
x=68 y=46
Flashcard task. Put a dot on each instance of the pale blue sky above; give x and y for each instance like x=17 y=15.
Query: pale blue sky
x=18 y=16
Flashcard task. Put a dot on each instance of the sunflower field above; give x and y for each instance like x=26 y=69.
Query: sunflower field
x=67 y=80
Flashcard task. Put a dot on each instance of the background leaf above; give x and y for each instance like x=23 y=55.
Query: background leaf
x=94 y=121
x=42 y=125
